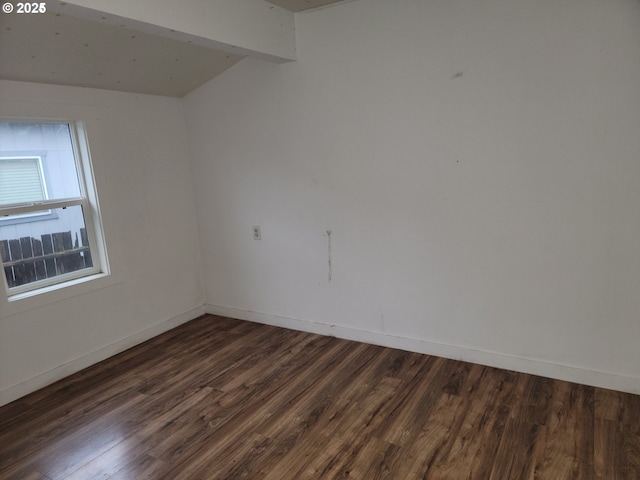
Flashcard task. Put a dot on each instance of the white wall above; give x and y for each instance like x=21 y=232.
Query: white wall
x=476 y=161
x=140 y=155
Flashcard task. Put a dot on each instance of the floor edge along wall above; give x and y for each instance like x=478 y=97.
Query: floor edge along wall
x=19 y=390
x=492 y=359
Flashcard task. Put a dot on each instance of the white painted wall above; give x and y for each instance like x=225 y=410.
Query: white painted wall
x=476 y=161
x=140 y=156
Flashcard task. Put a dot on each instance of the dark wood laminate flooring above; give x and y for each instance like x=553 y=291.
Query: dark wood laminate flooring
x=219 y=398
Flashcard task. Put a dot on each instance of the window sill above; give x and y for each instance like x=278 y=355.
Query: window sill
x=22 y=302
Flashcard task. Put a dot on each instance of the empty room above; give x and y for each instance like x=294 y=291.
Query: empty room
x=319 y=239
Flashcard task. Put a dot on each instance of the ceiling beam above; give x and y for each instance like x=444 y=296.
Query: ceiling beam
x=244 y=27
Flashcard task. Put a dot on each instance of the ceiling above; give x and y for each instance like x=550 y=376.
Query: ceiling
x=69 y=50
x=301 y=5
x=74 y=51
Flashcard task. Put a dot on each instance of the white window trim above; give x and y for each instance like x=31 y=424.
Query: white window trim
x=88 y=201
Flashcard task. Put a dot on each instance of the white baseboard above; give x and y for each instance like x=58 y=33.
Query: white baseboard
x=492 y=359
x=14 y=392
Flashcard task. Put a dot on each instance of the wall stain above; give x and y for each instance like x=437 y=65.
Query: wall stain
x=457 y=75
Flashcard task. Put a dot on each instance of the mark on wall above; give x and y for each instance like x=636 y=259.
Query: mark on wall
x=457 y=75
x=329 y=253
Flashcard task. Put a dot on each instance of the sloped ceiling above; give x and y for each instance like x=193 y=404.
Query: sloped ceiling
x=68 y=50
x=301 y=5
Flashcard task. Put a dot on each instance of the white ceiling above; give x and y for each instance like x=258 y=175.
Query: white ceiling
x=301 y=5
x=69 y=50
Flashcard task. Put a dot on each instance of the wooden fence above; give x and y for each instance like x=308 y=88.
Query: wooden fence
x=28 y=259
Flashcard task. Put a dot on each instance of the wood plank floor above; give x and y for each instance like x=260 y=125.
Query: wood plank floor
x=224 y=399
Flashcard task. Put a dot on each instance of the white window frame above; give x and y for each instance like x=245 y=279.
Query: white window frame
x=88 y=201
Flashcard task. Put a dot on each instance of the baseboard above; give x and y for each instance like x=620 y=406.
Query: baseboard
x=492 y=359
x=19 y=390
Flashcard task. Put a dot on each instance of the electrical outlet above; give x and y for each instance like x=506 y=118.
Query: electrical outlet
x=257 y=235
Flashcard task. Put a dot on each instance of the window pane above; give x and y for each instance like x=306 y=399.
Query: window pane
x=52 y=144
x=21 y=181
x=40 y=250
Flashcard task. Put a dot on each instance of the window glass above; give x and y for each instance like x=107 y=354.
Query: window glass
x=21 y=180
x=47 y=222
